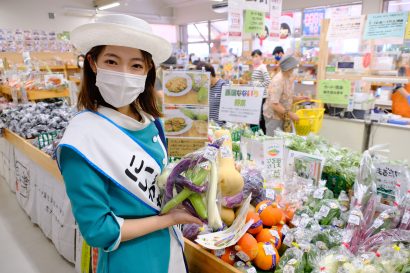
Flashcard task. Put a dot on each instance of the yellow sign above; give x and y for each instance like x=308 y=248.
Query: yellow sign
x=407 y=33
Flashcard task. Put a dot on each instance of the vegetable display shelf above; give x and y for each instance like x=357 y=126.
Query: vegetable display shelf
x=33 y=95
x=39 y=157
x=199 y=260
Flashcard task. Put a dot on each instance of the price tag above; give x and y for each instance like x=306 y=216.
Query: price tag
x=274 y=233
x=242 y=255
x=285 y=229
x=210 y=153
x=270 y=194
x=406 y=217
x=324 y=211
x=355 y=217
x=251 y=270
x=288 y=240
x=321 y=245
x=319 y=193
x=269 y=250
x=225 y=152
x=304 y=222
x=296 y=220
x=289 y=269
x=347 y=236
x=219 y=252
x=378 y=223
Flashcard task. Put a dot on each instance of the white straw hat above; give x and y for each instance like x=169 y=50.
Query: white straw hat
x=121 y=30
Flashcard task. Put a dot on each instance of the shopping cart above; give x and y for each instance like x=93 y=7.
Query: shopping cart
x=310 y=113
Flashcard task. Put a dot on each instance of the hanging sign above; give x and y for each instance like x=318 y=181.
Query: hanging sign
x=312 y=18
x=341 y=28
x=385 y=25
x=241 y=104
x=235 y=20
x=258 y=5
x=254 y=21
x=275 y=14
x=334 y=91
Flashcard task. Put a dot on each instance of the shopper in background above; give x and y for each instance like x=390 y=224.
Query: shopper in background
x=401 y=93
x=278 y=53
x=112 y=152
x=214 y=92
x=278 y=105
x=260 y=78
x=80 y=61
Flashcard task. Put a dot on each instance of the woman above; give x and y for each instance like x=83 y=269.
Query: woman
x=260 y=78
x=214 y=92
x=113 y=150
x=277 y=107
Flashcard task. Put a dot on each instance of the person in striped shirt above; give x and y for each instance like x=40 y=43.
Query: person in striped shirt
x=260 y=78
x=214 y=92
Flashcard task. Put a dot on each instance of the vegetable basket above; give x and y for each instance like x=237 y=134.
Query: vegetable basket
x=310 y=116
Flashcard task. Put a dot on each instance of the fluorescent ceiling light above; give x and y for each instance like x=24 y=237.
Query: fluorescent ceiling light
x=108 y=6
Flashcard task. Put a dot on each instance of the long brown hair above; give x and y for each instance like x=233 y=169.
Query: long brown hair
x=90 y=97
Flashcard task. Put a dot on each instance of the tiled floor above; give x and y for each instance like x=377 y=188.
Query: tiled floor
x=23 y=246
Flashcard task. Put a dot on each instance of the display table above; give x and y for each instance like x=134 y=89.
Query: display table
x=396 y=136
x=199 y=260
x=33 y=95
x=348 y=133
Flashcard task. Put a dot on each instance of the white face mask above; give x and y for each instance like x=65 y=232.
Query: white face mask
x=119 y=89
x=81 y=64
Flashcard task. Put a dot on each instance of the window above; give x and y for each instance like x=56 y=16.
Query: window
x=396 y=5
x=198 y=32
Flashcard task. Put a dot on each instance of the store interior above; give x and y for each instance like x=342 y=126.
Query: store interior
x=320 y=183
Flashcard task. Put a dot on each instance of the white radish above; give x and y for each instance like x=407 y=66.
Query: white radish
x=214 y=218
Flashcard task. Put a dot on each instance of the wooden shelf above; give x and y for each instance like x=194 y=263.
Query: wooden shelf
x=33 y=95
x=201 y=261
x=33 y=153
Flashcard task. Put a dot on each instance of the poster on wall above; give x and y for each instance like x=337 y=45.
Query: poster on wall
x=312 y=18
x=254 y=21
x=275 y=14
x=241 y=104
x=186 y=110
x=334 y=91
x=385 y=26
x=407 y=33
x=258 y=5
x=341 y=28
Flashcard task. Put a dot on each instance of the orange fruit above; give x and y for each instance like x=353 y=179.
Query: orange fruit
x=269 y=213
x=257 y=225
x=269 y=236
x=247 y=248
x=227 y=255
x=267 y=258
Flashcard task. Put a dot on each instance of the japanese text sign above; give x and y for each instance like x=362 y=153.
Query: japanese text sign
x=241 y=104
x=385 y=25
x=254 y=21
x=334 y=91
x=341 y=28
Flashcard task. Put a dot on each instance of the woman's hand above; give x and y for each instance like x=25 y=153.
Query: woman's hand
x=293 y=116
x=300 y=98
x=182 y=217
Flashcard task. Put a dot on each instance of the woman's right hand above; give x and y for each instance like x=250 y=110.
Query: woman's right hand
x=293 y=116
x=182 y=217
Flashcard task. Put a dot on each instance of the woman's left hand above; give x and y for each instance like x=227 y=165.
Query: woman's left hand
x=300 y=98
